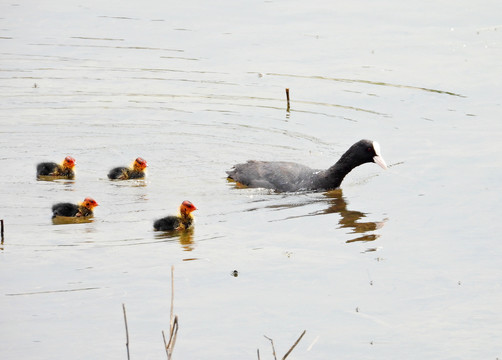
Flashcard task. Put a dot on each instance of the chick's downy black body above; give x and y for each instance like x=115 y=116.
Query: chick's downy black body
x=83 y=209
x=183 y=221
x=46 y=168
x=136 y=171
x=171 y=222
x=53 y=169
x=65 y=209
x=123 y=173
x=289 y=176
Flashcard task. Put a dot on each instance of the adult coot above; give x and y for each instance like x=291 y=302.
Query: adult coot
x=182 y=221
x=84 y=209
x=289 y=176
x=51 y=169
x=136 y=171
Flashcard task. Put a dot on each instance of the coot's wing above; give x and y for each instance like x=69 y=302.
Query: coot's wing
x=64 y=209
x=277 y=175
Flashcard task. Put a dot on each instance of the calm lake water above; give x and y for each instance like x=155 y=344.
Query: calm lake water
x=399 y=264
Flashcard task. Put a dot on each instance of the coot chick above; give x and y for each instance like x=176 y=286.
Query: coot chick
x=182 y=221
x=51 y=169
x=84 y=209
x=136 y=171
x=288 y=176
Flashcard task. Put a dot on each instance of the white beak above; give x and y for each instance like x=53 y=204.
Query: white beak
x=378 y=159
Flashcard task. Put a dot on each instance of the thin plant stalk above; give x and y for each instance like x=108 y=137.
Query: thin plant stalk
x=292 y=347
x=273 y=348
x=127 y=331
x=173 y=323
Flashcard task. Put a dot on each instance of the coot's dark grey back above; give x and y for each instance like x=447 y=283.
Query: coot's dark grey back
x=278 y=175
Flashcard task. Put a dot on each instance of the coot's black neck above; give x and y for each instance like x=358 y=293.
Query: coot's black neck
x=332 y=178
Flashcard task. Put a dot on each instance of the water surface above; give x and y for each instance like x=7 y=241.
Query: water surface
x=397 y=264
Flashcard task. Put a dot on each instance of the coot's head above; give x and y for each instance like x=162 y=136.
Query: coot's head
x=69 y=162
x=140 y=164
x=368 y=151
x=89 y=203
x=187 y=207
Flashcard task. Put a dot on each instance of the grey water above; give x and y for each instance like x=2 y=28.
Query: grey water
x=397 y=264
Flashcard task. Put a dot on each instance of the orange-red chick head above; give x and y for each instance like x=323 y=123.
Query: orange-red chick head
x=187 y=207
x=140 y=164
x=69 y=162
x=89 y=203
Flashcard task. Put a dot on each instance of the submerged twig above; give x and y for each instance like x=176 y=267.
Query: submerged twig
x=127 y=331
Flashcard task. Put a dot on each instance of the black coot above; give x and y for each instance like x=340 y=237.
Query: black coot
x=289 y=176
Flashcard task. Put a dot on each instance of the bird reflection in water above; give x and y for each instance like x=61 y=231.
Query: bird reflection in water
x=62 y=220
x=184 y=237
x=351 y=219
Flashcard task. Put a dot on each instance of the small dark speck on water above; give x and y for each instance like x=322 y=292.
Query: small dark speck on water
x=35 y=85
x=234 y=273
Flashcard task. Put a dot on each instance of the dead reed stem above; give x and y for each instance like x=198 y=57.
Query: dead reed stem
x=292 y=347
x=287 y=98
x=171 y=320
x=273 y=348
x=127 y=332
x=289 y=351
x=173 y=323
